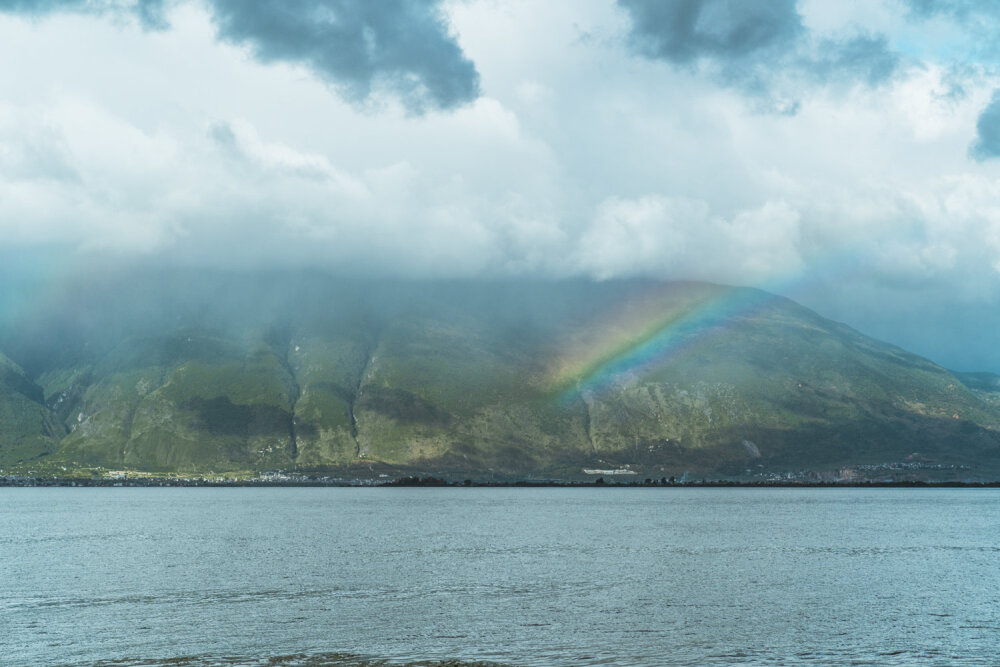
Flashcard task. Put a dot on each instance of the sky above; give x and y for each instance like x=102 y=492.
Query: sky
x=842 y=153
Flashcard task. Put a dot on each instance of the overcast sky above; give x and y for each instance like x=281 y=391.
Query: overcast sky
x=844 y=154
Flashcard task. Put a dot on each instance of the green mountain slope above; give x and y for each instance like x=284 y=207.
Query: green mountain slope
x=306 y=373
x=28 y=430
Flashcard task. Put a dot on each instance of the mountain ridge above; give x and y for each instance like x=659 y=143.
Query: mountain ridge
x=313 y=374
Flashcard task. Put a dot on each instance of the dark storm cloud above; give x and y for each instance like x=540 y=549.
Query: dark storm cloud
x=751 y=44
x=683 y=31
x=358 y=46
x=864 y=58
x=987 y=144
x=149 y=12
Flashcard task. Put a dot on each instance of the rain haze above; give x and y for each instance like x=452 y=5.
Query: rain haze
x=844 y=155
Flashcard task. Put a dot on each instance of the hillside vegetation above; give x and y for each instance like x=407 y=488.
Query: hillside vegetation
x=216 y=373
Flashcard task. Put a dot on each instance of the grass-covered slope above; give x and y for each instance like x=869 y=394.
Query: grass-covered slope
x=179 y=402
x=308 y=373
x=28 y=430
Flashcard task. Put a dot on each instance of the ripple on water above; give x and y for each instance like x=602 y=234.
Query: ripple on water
x=287 y=577
x=292 y=660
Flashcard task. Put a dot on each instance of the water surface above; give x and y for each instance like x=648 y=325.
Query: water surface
x=519 y=576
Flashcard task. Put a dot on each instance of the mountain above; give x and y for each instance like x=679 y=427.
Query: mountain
x=203 y=372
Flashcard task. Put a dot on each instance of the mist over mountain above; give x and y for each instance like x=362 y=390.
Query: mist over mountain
x=845 y=155
x=207 y=371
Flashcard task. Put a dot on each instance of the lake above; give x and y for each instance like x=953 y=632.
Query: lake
x=643 y=576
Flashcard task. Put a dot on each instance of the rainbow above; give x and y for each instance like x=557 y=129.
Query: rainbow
x=650 y=327
x=668 y=319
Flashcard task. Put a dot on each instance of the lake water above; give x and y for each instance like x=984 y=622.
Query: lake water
x=517 y=576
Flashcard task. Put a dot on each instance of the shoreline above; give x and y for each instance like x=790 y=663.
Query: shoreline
x=432 y=482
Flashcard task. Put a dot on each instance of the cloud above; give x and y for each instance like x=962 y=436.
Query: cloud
x=762 y=48
x=685 y=31
x=972 y=27
x=960 y=9
x=987 y=143
x=78 y=176
x=681 y=238
x=150 y=13
x=579 y=158
x=865 y=58
x=361 y=48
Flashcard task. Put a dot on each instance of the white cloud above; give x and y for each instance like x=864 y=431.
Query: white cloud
x=678 y=238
